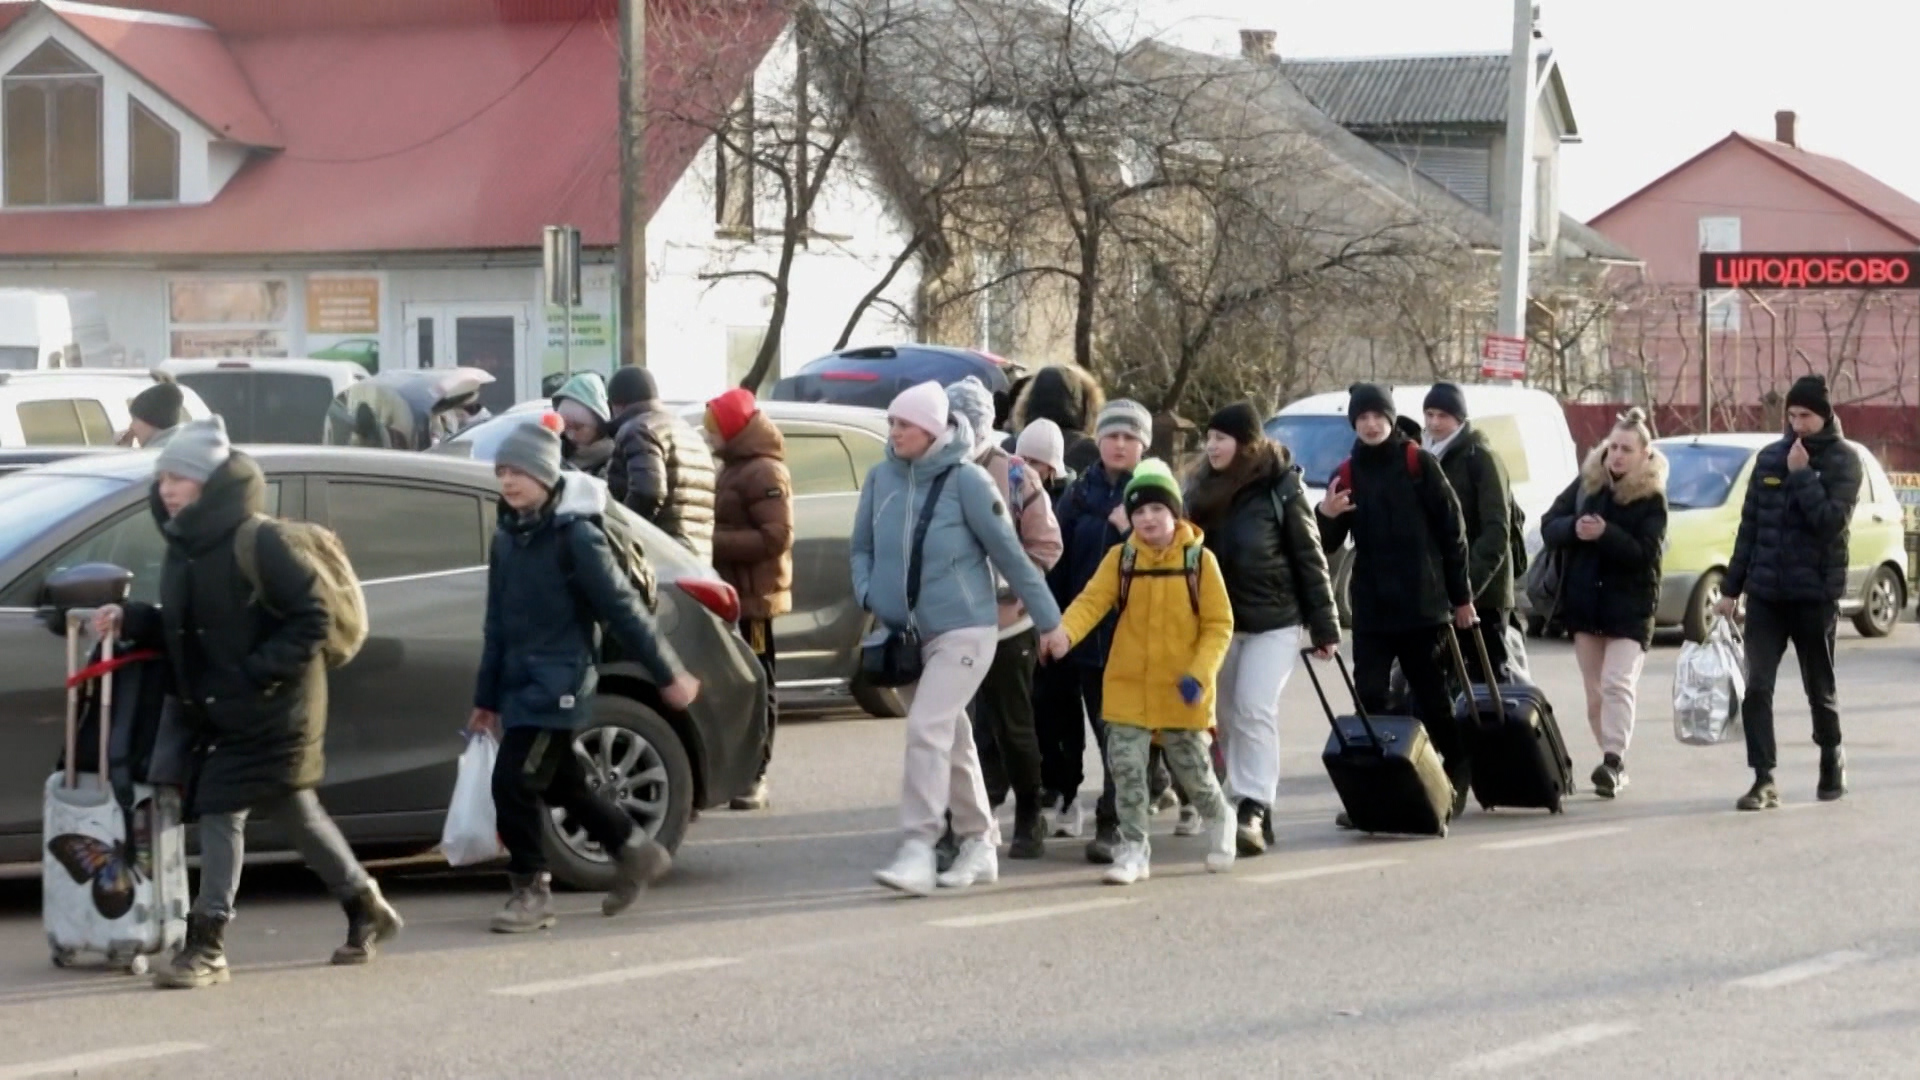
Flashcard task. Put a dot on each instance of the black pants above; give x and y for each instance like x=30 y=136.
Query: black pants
x=1003 y=723
x=1060 y=721
x=1493 y=631
x=1373 y=657
x=538 y=765
x=759 y=635
x=1771 y=626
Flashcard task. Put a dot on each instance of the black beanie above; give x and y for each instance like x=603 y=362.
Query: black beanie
x=1449 y=399
x=1238 y=422
x=1366 y=398
x=630 y=386
x=158 y=405
x=1810 y=392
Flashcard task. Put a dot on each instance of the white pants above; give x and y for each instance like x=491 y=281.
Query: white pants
x=1248 y=710
x=1611 y=669
x=943 y=765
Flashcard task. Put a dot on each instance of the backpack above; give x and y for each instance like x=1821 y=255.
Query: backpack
x=629 y=555
x=1129 y=556
x=319 y=550
x=1345 y=472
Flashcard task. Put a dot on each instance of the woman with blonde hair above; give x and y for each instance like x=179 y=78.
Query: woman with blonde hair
x=1608 y=529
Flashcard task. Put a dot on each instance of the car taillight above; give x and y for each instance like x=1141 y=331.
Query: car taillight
x=849 y=376
x=716 y=596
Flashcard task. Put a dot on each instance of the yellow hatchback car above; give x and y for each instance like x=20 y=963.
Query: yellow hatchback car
x=1706 y=487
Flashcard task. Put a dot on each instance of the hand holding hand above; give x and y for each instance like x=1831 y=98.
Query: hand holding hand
x=1190 y=690
x=484 y=722
x=1055 y=645
x=107 y=619
x=680 y=693
x=1797 y=458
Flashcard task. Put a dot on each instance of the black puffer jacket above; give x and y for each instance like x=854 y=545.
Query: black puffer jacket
x=1610 y=586
x=1794 y=528
x=1071 y=397
x=250 y=680
x=1479 y=482
x=1258 y=524
x=662 y=470
x=1409 y=544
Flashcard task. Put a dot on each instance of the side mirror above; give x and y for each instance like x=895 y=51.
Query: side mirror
x=89 y=585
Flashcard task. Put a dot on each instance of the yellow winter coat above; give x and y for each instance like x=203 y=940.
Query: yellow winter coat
x=1160 y=638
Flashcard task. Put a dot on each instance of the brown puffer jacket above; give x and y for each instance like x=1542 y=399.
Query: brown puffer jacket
x=753 y=520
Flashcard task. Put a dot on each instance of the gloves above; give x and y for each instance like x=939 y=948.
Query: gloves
x=1191 y=690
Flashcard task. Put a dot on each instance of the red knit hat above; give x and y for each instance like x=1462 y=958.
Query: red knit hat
x=728 y=414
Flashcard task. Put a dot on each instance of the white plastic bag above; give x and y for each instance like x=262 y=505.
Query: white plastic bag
x=1708 y=683
x=1517 y=667
x=471 y=836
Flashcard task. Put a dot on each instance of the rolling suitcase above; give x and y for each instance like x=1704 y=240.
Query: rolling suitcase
x=114 y=874
x=1519 y=758
x=1387 y=773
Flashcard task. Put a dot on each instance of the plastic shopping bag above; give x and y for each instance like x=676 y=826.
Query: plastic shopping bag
x=1708 y=684
x=471 y=836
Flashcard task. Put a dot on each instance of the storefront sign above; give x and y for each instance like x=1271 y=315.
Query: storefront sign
x=594 y=344
x=1810 y=270
x=1503 y=357
x=201 y=344
x=1906 y=487
x=220 y=301
x=343 y=305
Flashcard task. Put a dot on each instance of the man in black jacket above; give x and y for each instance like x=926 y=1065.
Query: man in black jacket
x=1790 y=562
x=1409 y=568
x=1479 y=480
x=661 y=467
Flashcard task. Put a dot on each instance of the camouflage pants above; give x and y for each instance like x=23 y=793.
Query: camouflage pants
x=1129 y=749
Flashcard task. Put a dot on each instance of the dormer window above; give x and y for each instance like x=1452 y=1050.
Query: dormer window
x=52 y=126
x=153 y=157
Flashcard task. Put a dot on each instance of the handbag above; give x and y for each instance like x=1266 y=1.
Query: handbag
x=890 y=658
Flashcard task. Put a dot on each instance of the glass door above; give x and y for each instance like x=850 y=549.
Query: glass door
x=491 y=337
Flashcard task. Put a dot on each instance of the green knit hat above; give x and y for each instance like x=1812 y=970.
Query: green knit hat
x=1153 y=482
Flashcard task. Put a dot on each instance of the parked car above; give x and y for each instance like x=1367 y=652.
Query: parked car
x=829 y=451
x=417 y=528
x=872 y=377
x=75 y=407
x=1706 y=488
x=270 y=400
x=1526 y=427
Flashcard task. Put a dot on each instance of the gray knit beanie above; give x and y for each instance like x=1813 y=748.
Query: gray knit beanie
x=532 y=449
x=196 y=450
x=1127 y=417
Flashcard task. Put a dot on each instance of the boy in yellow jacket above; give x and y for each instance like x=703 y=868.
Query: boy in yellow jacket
x=1174 y=628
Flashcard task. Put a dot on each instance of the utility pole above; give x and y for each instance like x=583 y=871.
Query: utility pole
x=633 y=202
x=1706 y=362
x=1516 y=221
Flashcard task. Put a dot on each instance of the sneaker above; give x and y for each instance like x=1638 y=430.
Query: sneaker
x=1165 y=801
x=756 y=799
x=1609 y=777
x=977 y=864
x=641 y=863
x=530 y=907
x=1069 y=821
x=1131 y=864
x=1220 y=836
x=1763 y=796
x=1833 y=773
x=1253 y=825
x=1029 y=835
x=202 y=959
x=1105 y=843
x=371 y=921
x=1190 y=823
x=912 y=871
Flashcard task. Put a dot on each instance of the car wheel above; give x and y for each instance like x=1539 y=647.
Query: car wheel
x=1699 y=619
x=1881 y=604
x=881 y=704
x=634 y=758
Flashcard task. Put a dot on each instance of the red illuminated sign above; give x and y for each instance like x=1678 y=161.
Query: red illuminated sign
x=1810 y=270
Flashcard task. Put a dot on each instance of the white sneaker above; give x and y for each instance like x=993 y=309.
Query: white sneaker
x=913 y=870
x=1068 y=821
x=1130 y=864
x=1168 y=800
x=977 y=864
x=1223 y=839
x=1189 y=824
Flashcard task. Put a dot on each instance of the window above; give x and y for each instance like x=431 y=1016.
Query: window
x=153 y=157
x=64 y=422
x=132 y=541
x=733 y=168
x=1503 y=435
x=1719 y=234
x=53 y=131
x=261 y=405
x=868 y=451
x=392 y=531
x=820 y=465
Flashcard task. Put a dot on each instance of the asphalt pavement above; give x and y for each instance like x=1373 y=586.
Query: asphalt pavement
x=1660 y=935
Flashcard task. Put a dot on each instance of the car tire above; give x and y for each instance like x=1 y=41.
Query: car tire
x=645 y=753
x=879 y=703
x=1880 y=603
x=1698 y=621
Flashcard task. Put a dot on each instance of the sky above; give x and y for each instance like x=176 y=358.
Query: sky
x=1652 y=82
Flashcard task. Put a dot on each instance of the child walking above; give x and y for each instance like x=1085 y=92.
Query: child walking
x=1175 y=624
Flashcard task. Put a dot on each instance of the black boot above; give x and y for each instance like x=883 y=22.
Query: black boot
x=370 y=922
x=1762 y=796
x=948 y=849
x=202 y=959
x=1833 y=773
x=1029 y=831
x=1251 y=839
x=1106 y=839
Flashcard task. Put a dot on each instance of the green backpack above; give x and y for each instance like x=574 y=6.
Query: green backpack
x=323 y=553
x=1129 y=558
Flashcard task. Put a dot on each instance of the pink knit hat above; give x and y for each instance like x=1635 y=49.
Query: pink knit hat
x=924 y=406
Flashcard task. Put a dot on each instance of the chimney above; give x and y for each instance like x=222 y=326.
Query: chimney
x=1258 y=45
x=1783 y=123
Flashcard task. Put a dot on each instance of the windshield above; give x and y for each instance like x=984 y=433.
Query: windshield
x=482 y=440
x=1319 y=443
x=267 y=406
x=1700 y=475
x=31 y=503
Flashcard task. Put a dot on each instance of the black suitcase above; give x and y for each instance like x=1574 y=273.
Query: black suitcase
x=1387 y=773
x=1519 y=758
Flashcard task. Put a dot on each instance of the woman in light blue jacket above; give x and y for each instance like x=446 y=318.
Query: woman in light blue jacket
x=957 y=618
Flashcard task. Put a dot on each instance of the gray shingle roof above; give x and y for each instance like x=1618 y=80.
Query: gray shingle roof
x=1468 y=89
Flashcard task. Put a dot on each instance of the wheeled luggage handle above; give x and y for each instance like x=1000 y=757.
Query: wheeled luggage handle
x=75 y=620
x=1486 y=668
x=1359 y=710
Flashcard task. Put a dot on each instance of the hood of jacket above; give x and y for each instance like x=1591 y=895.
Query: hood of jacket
x=577 y=496
x=1066 y=394
x=1645 y=482
x=236 y=491
x=1213 y=492
x=761 y=438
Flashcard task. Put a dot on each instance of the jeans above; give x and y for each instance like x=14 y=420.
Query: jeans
x=1771 y=626
x=1248 y=706
x=1611 y=670
x=1130 y=751
x=942 y=769
x=759 y=635
x=223 y=849
x=537 y=768
x=1373 y=657
x=1003 y=724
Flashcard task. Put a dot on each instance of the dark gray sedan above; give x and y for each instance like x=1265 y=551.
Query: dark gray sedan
x=417 y=528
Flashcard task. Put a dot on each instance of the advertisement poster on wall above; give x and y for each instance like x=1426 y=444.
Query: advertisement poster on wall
x=343 y=318
x=222 y=317
x=593 y=330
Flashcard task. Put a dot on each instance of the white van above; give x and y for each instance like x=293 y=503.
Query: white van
x=43 y=329
x=1526 y=427
x=75 y=408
